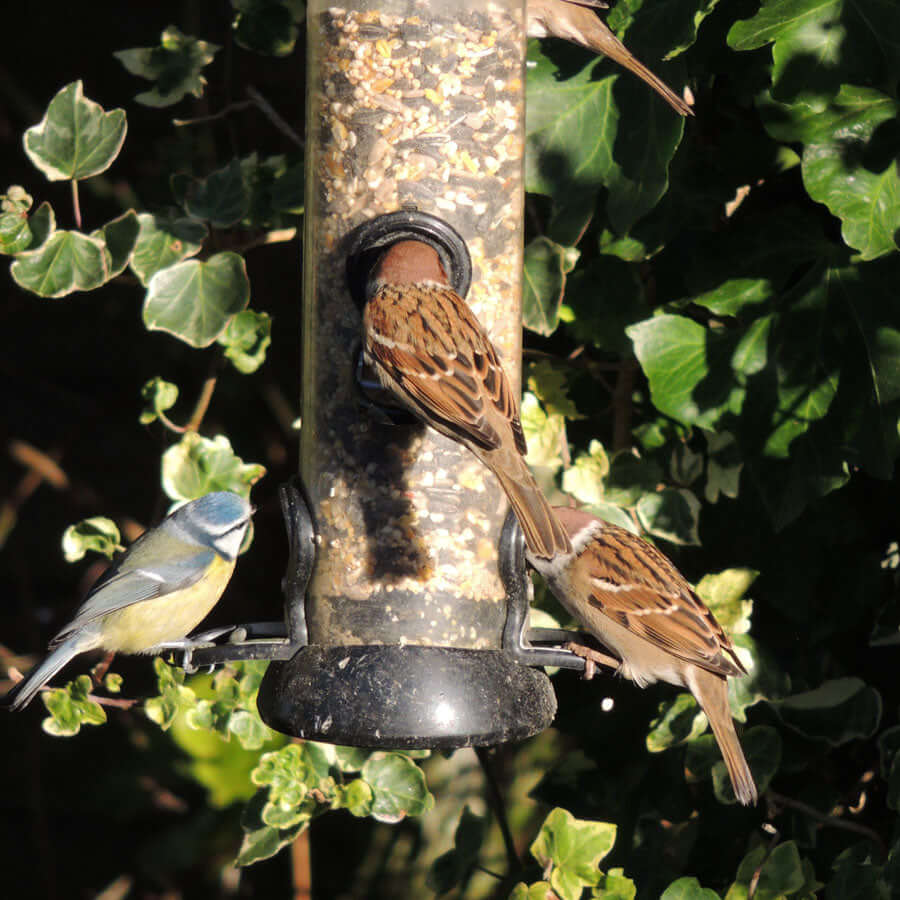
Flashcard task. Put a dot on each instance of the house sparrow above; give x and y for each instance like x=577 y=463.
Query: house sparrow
x=640 y=607
x=576 y=21
x=430 y=351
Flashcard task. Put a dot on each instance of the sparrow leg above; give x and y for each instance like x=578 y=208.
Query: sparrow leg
x=592 y=658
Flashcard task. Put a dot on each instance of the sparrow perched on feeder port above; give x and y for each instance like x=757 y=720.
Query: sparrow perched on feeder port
x=430 y=351
x=576 y=21
x=639 y=606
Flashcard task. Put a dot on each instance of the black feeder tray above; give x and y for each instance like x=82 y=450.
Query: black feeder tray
x=393 y=696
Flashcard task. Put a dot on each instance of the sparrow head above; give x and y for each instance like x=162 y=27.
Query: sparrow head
x=410 y=262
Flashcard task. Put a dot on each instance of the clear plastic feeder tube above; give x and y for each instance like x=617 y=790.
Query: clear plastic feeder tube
x=410 y=103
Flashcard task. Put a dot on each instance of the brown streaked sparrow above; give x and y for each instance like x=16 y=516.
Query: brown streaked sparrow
x=640 y=607
x=430 y=351
x=576 y=21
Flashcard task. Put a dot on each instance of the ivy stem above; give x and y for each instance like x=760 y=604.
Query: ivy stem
x=203 y=401
x=825 y=819
x=76 y=203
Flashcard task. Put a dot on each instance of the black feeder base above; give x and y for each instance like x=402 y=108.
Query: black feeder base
x=406 y=697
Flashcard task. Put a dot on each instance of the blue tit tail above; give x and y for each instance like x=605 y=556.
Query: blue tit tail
x=23 y=693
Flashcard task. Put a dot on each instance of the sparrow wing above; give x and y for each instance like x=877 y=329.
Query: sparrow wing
x=436 y=353
x=646 y=594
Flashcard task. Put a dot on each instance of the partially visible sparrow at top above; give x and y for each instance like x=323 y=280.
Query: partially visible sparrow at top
x=429 y=350
x=576 y=21
x=640 y=607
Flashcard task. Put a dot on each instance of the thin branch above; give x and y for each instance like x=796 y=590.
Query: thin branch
x=269 y=111
x=825 y=819
x=212 y=117
x=206 y=393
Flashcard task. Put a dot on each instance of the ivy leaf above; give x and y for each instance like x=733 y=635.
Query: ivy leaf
x=546 y=266
x=246 y=339
x=221 y=198
x=584 y=479
x=15 y=233
x=68 y=261
x=724 y=594
x=857 y=876
x=453 y=867
x=581 y=137
x=571 y=849
x=98 y=534
x=71 y=707
x=158 y=396
x=544 y=433
x=540 y=890
x=194 y=300
x=267 y=26
x=398 y=786
x=263 y=841
x=357 y=798
x=838 y=711
x=688 y=888
x=119 y=238
x=779 y=873
x=162 y=241
x=843 y=172
x=672 y=514
x=174 y=65
x=76 y=138
x=679 y=722
x=197 y=465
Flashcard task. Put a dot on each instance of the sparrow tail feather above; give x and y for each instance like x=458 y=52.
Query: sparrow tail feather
x=544 y=534
x=711 y=692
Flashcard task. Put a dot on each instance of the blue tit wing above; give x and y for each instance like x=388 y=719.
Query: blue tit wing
x=151 y=568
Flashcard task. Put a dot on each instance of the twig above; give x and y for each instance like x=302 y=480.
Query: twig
x=41 y=467
x=757 y=872
x=225 y=111
x=269 y=111
x=203 y=401
x=826 y=819
x=495 y=801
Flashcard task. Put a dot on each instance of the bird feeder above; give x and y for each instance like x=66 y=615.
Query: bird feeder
x=406 y=598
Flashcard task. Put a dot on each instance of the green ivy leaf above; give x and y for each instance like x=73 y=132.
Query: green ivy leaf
x=119 y=238
x=162 y=241
x=678 y=722
x=267 y=26
x=724 y=594
x=582 y=137
x=780 y=872
x=858 y=877
x=263 y=841
x=540 y=890
x=174 y=65
x=546 y=266
x=584 y=479
x=197 y=465
x=158 y=396
x=194 y=300
x=688 y=888
x=614 y=885
x=765 y=679
x=398 y=786
x=71 y=707
x=453 y=867
x=15 y=234
x=76 y=138
x=246 y=339
x=863 y=193
x=357 y=798
x=42 y=224
x=572 y=849
x=221 y=198
x=97 y=533
x=544 y=433
x=68 y=261
x=838 y=711
x=670 y=514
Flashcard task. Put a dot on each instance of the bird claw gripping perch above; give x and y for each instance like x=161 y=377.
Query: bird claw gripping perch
x=265 y=640
x=527 y=645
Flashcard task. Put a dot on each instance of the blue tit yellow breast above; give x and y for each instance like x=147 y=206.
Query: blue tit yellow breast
x=146 y=624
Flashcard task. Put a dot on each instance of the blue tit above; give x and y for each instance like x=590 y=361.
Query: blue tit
x=161 y=588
